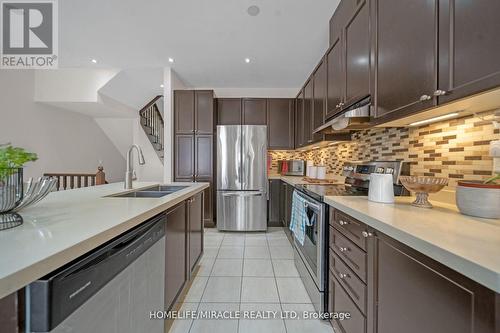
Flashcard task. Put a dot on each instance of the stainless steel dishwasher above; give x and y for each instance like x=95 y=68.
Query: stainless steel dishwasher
x=111 y=289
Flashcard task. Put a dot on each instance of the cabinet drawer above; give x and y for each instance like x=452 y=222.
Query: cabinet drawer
x=350 y=227
x=353 y=256
x=342 y=303
x=350 y=281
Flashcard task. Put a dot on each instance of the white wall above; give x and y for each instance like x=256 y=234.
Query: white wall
x=171 y=82
x=64 y=141
x=71 y=84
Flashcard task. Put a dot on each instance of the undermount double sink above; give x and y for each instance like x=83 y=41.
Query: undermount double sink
x=156 y=191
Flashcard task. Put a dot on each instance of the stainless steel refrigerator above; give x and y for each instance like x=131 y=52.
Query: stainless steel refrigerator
x=242 y=177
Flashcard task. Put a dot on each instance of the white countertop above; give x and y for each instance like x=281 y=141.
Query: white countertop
x=68 y=224
x=470 y=246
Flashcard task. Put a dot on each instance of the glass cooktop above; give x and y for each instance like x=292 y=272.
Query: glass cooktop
x=319 y=191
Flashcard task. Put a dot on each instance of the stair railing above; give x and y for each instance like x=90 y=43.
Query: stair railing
x=153 y=125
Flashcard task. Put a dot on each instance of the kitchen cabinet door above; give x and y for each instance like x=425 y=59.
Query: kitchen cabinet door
x=184 y=111
x=308 y=110
x=204 y=115
x=208 y=202
x=184 y=157
x=299 y=120
x=175 y=253
x=280 y=123
x=357 y=54
x=254 y=111
x=274 y=203
x=282 y=208
x=405 y=58
x=203 y=156
x=195 y=229
x=335 y=79
x=319 y=98
x=229 y=111
x=411 y=286
x=469 y=47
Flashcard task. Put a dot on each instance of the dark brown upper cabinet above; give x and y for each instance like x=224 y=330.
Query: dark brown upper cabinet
x=184 y=157
x=184 y=105
x=203 y=159
x=194 y=112
x=319 y=97
x=405 y=56
x=357 y=54
x=307 y=116
x=280 y=123
x=204 y=111
x=469 y=48
x=254 y=111
x=335 y=73
x=229 y=111
x=299 y=120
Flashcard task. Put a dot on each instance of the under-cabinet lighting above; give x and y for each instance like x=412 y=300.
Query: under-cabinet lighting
x=315 y=147
x=170 y=60
x=432 y=120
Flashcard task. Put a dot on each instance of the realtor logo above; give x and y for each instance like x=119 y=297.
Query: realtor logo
x=29 y=34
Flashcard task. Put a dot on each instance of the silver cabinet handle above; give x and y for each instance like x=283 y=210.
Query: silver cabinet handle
x=366 y=234
x=424 y=98
x=341 y=222
x=440 y=92
x=343 y=276
x=343 y=249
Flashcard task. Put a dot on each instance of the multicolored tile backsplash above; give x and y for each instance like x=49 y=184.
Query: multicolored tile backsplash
x=456 y=149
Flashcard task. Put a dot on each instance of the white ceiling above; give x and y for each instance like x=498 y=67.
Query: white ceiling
x=209 y=39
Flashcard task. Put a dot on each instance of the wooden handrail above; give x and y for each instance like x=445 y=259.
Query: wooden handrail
x=147 y=106
x=68 y=180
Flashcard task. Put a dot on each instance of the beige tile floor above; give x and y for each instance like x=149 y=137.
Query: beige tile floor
x=247 y=271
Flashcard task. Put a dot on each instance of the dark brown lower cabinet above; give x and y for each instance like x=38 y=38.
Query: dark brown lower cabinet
x=195 y=229
x=415 y=294
x=175 y=253
x=12 y=313
x=273 y=211
x=405 y=291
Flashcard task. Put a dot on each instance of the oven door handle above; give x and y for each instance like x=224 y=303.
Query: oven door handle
x=314 y=206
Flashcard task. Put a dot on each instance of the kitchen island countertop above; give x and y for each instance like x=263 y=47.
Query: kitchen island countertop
x=68 y=224
x=469 y=245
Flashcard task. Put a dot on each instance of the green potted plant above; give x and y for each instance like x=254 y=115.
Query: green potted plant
x=12 y=161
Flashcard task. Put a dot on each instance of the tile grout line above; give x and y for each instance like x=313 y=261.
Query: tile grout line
x=276 y=284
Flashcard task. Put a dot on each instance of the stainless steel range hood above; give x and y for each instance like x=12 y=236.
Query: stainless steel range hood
x=353 y=118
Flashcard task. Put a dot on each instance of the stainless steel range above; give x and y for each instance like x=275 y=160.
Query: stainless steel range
x=311 y=259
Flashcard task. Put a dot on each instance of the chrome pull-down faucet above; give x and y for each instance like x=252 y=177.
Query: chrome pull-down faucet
x=129 y=174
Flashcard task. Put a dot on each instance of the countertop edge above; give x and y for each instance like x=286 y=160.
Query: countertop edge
x=23 y=277
x=470 y=269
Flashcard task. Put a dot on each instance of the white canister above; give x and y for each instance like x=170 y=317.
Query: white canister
x=313 y=171
x=381 y=188
x=321 y=172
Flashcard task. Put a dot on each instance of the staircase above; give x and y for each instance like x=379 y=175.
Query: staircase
x=152 y=123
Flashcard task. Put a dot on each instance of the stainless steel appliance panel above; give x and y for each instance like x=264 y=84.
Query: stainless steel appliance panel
x=254 y=157
x=241 y=210
x=229 y=157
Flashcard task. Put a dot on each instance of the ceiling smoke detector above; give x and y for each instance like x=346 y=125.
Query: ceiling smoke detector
x=253 y=10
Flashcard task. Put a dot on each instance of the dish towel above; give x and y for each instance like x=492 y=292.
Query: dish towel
x=299 y=218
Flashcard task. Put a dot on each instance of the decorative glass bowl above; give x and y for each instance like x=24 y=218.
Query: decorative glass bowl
x=422 y=186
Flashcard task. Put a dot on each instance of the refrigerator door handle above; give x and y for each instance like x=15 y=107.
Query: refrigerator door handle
x=242 y=194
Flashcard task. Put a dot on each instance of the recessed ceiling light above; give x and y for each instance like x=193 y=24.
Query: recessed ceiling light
x=94 y=61
x=162 y=86
x=253 y=10
x=247 y=60
x=170 y=60
x=431 y=120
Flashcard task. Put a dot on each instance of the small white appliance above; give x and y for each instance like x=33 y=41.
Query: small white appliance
x=381 y=188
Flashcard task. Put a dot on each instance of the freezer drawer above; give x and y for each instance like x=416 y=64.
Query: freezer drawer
x=241 y=210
